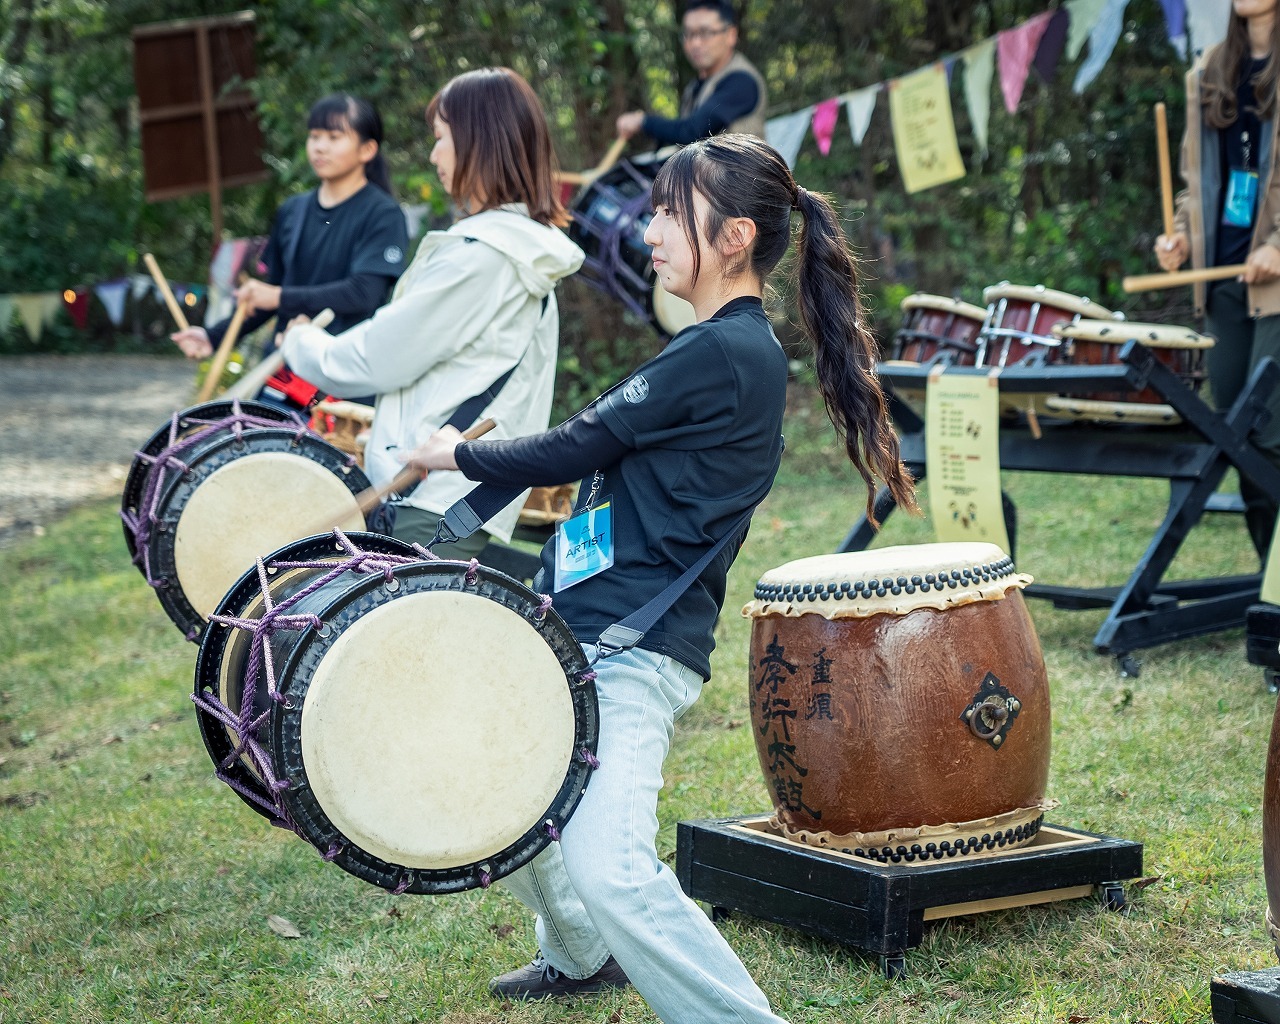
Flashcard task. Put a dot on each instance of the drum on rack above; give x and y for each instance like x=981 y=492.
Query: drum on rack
x=610 y=217
x=340 y=693
x=934 y=325
x=1020 y=320
x=1098 y=343
x=900 y=702
x=219 y=486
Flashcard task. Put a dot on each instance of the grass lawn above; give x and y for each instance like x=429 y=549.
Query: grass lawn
x=134 y=887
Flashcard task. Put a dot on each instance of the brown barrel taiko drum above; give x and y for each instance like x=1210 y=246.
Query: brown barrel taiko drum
x=900 y=702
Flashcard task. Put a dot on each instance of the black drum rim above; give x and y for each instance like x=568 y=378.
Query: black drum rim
x=206 y=460
x=214 y=642
x=304 y=810
x=135 y=482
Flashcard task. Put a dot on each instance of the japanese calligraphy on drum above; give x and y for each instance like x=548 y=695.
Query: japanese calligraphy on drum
x=899 y=702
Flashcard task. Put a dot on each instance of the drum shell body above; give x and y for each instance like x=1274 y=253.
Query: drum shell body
x=927 y=331
x=896 y=750
x=1188 y=364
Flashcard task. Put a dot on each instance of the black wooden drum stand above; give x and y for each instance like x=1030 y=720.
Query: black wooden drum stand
x=1193 y=457
x=1246 y=997
x=740 y=864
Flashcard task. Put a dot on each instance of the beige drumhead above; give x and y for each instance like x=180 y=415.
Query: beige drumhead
x=1155 y=414
x=1117 y=332
x=673 y=313
x=1077 y=304
x=892 y=581
x=247 y=509
x=923 y=300
x=437 y=729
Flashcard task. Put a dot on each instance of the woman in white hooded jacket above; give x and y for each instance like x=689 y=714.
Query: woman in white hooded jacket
x=477 y=301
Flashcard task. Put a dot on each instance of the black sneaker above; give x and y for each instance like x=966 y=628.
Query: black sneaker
x=539 y=980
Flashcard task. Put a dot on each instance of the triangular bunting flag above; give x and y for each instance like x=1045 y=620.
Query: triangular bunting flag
x=140 y=285
x=786 y=133
x=77 y=306
x=1175 y=17
x=1207 y=23
x=1102 y=40
x=979 y=69
x=859 y=107
x=1017 y=46
x=36 y=309
x=1051 y=46
x=112 y=295
x=824 y=123
x=6 y=313
x=1084 y=15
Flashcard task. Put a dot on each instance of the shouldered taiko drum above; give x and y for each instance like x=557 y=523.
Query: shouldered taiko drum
x=427 y=725
x=900 y=702
x=219 y=486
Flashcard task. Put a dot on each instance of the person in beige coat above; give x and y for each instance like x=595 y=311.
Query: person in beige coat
x=1230 y=214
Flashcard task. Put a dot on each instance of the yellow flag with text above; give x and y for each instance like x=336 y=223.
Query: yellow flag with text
x=924 y=132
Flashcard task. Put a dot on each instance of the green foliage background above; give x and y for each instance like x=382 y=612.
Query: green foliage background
x=1067 y=197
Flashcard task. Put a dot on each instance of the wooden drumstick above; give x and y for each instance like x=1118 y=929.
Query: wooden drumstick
x=251 y=383
x=175 y=310
x=1166 y=176
x=1150 y=282
x=370 y=498
x=219 y=362
x=608 y=160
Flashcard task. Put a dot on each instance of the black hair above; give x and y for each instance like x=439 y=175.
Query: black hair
x=742 y=176
x=339 y=111
x=721 y=7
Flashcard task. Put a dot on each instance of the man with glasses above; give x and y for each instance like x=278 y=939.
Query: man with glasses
x=728 y=94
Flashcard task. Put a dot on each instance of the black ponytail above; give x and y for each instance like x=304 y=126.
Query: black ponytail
x=741 y=176
x=341 y=110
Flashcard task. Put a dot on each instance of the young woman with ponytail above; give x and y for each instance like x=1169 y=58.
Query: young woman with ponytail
x=339 y=246
x=681 y=450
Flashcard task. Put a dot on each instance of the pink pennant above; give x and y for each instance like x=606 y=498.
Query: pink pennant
x=1017 y=49
x=824 y=123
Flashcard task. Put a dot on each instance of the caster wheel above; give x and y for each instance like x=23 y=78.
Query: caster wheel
x=1130 y=667
x=893 y=967
x=1113 y=896
x=1272 y=679
x=719 y=914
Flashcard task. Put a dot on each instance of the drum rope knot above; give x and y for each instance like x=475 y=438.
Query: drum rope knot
x=588 y=758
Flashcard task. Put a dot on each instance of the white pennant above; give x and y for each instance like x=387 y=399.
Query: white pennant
x=860 y=105
x=1102 y=40
x=979 y=69
x=786 y=133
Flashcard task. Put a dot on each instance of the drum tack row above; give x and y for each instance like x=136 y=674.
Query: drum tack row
x=1037 y=326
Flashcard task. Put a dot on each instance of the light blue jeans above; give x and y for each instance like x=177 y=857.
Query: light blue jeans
x=602 y=889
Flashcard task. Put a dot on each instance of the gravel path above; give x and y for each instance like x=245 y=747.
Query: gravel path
x=69 y=426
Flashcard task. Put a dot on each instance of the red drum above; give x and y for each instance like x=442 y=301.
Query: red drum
x=900 y=702
x=1098 y=343
x=934 y=325
x=1020 y=321
x=609 y=221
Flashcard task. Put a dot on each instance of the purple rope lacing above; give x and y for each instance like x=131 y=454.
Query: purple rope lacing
x=141 y=524
x=485 y=879
x=553 y=833
x=611 y=266
x=544 y=606
x=588 y=758
x=244 y=724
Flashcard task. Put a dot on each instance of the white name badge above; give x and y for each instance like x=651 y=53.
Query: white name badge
x=584 y=545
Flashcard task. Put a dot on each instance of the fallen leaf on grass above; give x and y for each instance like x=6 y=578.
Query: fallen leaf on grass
x=155 y=726
x=1075 y=1018
x=615 y=1017
x=1142 y=883
x=502 y=930
x=112 y=739
x=283 y=927
x=381 y=997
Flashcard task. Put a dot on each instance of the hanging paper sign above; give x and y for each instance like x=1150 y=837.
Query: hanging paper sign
x=962 y=451
x=924 y=132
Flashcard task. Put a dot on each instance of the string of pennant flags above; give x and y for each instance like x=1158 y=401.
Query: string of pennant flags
x=37 y=310
x=924 y=131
